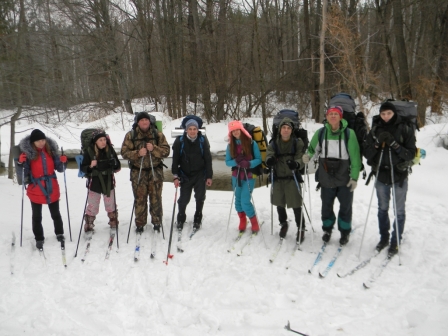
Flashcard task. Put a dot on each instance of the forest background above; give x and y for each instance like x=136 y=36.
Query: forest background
x=221 y=59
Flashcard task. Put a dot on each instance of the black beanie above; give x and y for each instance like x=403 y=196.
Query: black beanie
x=37 y=135
x=99 y=133
x=388 y=106
x=142 y=115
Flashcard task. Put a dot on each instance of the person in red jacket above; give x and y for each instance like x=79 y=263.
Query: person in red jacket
x=40 y=159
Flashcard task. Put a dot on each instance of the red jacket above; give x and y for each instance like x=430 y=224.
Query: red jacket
x=40 y=178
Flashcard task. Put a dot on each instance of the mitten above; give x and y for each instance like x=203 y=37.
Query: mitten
x=270 y=161
x=306 y=158
x=22 y=158
x=291 y=164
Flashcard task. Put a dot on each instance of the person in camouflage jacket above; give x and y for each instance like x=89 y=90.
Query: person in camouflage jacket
x=146 y=148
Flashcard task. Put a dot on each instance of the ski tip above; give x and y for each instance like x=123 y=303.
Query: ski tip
x=365 y=286
x=321 y=275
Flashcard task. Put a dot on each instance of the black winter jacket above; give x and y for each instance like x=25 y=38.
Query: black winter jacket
x=192 y=161
x=404 y=135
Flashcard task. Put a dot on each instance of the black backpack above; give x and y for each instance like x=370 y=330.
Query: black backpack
x=407 y=110
x=299 y=132
x=86 y=138
x=356 y=121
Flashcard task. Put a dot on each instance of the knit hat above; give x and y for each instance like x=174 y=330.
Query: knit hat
x=337 y=109
x=286 y=121
x=37 y=135
x=191 y=122
x=98 y=133
x=142 y=115
x=235 y=125
x=388 y=106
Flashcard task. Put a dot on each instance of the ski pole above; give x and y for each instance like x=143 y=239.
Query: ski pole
x=83 y=216
x=395 y=204
x=133 y=207
x=255 y=209
x=154 y=178
x=272 y=199
x=21 y=216
x=66 y=198
x=171 y=230
x=287 y=327
x=116 y=211
x=371 y=198
x=300 y=190
x=233 y=198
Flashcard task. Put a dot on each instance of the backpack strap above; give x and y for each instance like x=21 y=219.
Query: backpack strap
x=48 y=189
x=323 y=134
x=293 y=148
x=201 y=144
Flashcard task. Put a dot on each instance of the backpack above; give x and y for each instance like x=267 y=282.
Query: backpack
x=407 y=111
x=355 y=121
x=18 y=167
x=154 y=131
x=299 y=132
x=259 y=137
x=190 y=117
x=153 y=127
x=201 y=137
x=86 y=138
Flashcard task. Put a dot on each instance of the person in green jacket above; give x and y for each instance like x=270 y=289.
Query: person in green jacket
x=284 y=155
x=339 y=166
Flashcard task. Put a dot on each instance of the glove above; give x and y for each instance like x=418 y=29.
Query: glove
x=22 y=158
x=291 y=164
x=239 y=158
x=244 y=164
x=270 y=162
x=352 y=184
x=403 y=166
x=63 y=158
x=388 y=139
x=306 y=158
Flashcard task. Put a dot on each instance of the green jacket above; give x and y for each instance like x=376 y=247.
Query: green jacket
x=338 y=162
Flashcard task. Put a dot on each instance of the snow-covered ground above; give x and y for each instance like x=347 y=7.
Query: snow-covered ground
x=208 y=291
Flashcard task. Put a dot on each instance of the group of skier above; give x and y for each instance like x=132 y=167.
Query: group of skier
x=388 y=148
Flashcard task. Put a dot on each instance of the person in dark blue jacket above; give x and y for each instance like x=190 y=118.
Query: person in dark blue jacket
x=192 y=169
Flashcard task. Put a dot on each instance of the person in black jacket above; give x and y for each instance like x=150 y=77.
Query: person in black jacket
x=392 y=139
x=192 y=169
x=100 y=162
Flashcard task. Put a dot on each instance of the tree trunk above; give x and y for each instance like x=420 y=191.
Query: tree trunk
x=322 y=61
x=405 y=80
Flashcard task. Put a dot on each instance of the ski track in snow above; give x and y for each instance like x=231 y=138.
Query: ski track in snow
x=208 y=291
